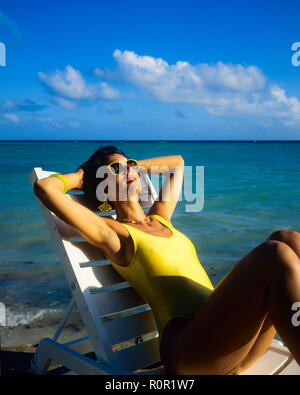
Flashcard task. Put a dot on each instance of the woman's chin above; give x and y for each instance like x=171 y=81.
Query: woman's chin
x=129 y=195
x=133 y=187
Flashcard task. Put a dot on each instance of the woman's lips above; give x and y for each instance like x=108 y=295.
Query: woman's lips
x=129 y=179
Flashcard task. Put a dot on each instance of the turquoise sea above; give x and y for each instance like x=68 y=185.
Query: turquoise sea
x=250 y=190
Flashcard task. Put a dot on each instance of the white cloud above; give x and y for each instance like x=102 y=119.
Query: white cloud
x=27 y=105
x=107 y=92
x=11 y=25
x=69 y=84
x=220 y=89
x=107 y=74
x=184 y=82
x=53 y=123
x=68 y=104
x=289 y=106
x=73 y=124
x=230 y=77
x=11 y=117
x=112 y=110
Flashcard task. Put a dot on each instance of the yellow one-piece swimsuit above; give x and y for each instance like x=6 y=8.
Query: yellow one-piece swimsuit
x=166 y=272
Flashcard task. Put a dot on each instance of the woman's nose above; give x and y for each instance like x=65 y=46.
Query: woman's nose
x=131 y=172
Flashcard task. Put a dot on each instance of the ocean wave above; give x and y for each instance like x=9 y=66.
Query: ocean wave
x=32 y=316
x=27 y=326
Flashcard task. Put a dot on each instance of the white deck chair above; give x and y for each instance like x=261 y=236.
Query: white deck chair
x=112 y=312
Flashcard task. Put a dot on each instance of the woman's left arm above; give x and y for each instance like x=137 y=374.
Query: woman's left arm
x=172 y=167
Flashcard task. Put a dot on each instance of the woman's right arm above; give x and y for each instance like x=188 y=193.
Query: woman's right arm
x=89 y=225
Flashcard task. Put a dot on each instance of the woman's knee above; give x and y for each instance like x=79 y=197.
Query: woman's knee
x=271 y=248
x=278 y=254
x=285 y=236
x=289 y=237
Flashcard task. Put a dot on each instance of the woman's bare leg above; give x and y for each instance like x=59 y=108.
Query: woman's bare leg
x=261 y=345
x=220 y=336
x=268 y=331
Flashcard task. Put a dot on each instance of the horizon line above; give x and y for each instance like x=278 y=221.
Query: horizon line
x=150 y=141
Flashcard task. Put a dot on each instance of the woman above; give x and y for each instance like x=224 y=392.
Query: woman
x=202 y=330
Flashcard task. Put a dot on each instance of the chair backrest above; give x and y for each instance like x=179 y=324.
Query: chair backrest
x=115 y=316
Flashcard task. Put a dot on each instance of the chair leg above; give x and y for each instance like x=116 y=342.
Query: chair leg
x=49 y=350
x=40 y=362
x=64 y=319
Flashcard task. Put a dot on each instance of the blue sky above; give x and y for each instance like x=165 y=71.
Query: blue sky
x=126 y=69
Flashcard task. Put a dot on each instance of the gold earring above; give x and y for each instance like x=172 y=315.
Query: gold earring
x=105 y=207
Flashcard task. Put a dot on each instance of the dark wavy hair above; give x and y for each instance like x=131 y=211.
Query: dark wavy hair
x=90 y=167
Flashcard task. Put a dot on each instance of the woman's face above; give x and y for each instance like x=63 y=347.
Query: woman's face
x=122 y=186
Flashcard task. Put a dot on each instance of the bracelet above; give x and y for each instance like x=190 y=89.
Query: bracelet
x=63 y=179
